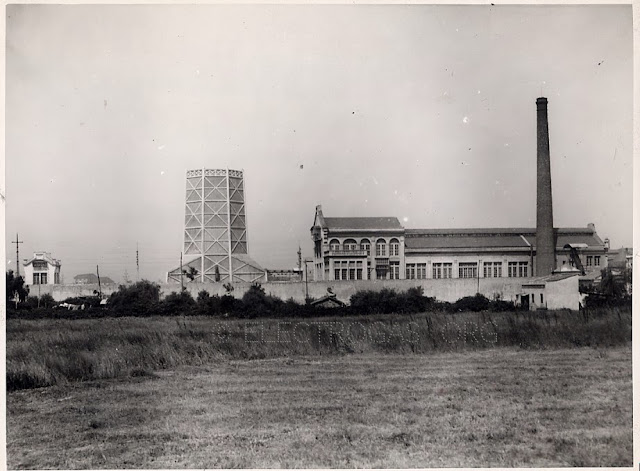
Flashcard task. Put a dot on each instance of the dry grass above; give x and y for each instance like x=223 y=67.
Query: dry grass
x=46 y=352
x=494 y=407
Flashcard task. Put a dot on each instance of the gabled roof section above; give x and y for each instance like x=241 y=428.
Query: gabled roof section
x=43 y=256
x=363 y=223
x=328 y=301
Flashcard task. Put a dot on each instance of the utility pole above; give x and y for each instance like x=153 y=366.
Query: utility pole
x=99 y=286
x=306 y=280
x=17 y=241
x=137 y=264
x=181 y=275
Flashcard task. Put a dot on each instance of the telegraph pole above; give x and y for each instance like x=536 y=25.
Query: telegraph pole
x=137 y=264
x=181 y=273
x=17 y=241
x=99 y=286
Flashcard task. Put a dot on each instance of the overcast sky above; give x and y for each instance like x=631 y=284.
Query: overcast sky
x=426 y=113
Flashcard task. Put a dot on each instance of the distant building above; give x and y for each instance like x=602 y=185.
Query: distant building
x=379 y=248
x=42 y=269
x=620 y=259
x=357 y=248
x=92 y=279
x=285 y=275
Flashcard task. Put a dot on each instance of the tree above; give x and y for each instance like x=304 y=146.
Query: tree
x=141 y=298
x=615 y=285
x=16 y=290
x=191 y=273
x=178 y=303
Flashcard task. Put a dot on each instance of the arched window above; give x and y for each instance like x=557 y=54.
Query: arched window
x=394 y=248
x=350 y=244
x=365 y=244
x=334 y=244
x=381 y=248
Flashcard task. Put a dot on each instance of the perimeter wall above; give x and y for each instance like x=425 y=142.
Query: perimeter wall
x=443 y=290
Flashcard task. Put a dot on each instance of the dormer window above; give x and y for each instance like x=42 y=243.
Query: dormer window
x=39 y=265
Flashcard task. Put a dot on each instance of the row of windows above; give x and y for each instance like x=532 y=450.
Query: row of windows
x=347 y=263
x=43 y=278
x=353 y=270
x=470 y=270
x=347 y=273
x=467 y=270
x=347 y=269
x=492 y=269
x=442 y=270
x=518 y=269
x=593 y=260
x=416 y=271
x=365 y=244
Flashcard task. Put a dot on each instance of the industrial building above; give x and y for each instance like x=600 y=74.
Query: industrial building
x=215 y=229
x=42 y=269
x=380 y=248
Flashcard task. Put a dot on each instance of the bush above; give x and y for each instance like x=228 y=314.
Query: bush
x=498 y=305
x=178 y=304
x=388 y=301
x=471 y=303
x=208 y=305
x=47 y=301
x=139 y=299
x=16 y=290
x=256 y=303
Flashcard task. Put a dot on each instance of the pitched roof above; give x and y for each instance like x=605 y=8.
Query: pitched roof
x=91 y=278
x=462 y=241
x=515 y=238
x=363 y=223
x=549 y=278
x=328 y=300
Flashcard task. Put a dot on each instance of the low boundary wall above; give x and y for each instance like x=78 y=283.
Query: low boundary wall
x=443 y=290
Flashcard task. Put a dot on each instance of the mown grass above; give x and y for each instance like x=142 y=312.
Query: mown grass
x=505 y=407
x=46 y=352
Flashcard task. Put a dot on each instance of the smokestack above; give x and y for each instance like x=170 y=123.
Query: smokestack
x=545 y=244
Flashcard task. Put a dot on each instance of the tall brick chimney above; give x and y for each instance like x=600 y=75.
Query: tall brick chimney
x=545 y=243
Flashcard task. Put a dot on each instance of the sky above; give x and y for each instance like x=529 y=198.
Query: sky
x=426 y=113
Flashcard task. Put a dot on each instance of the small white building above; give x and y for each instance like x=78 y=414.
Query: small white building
x=42 y=269
x=557 y=291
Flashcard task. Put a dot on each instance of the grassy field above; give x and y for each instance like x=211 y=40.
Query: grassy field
x=506 y=407
x=47 y=352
